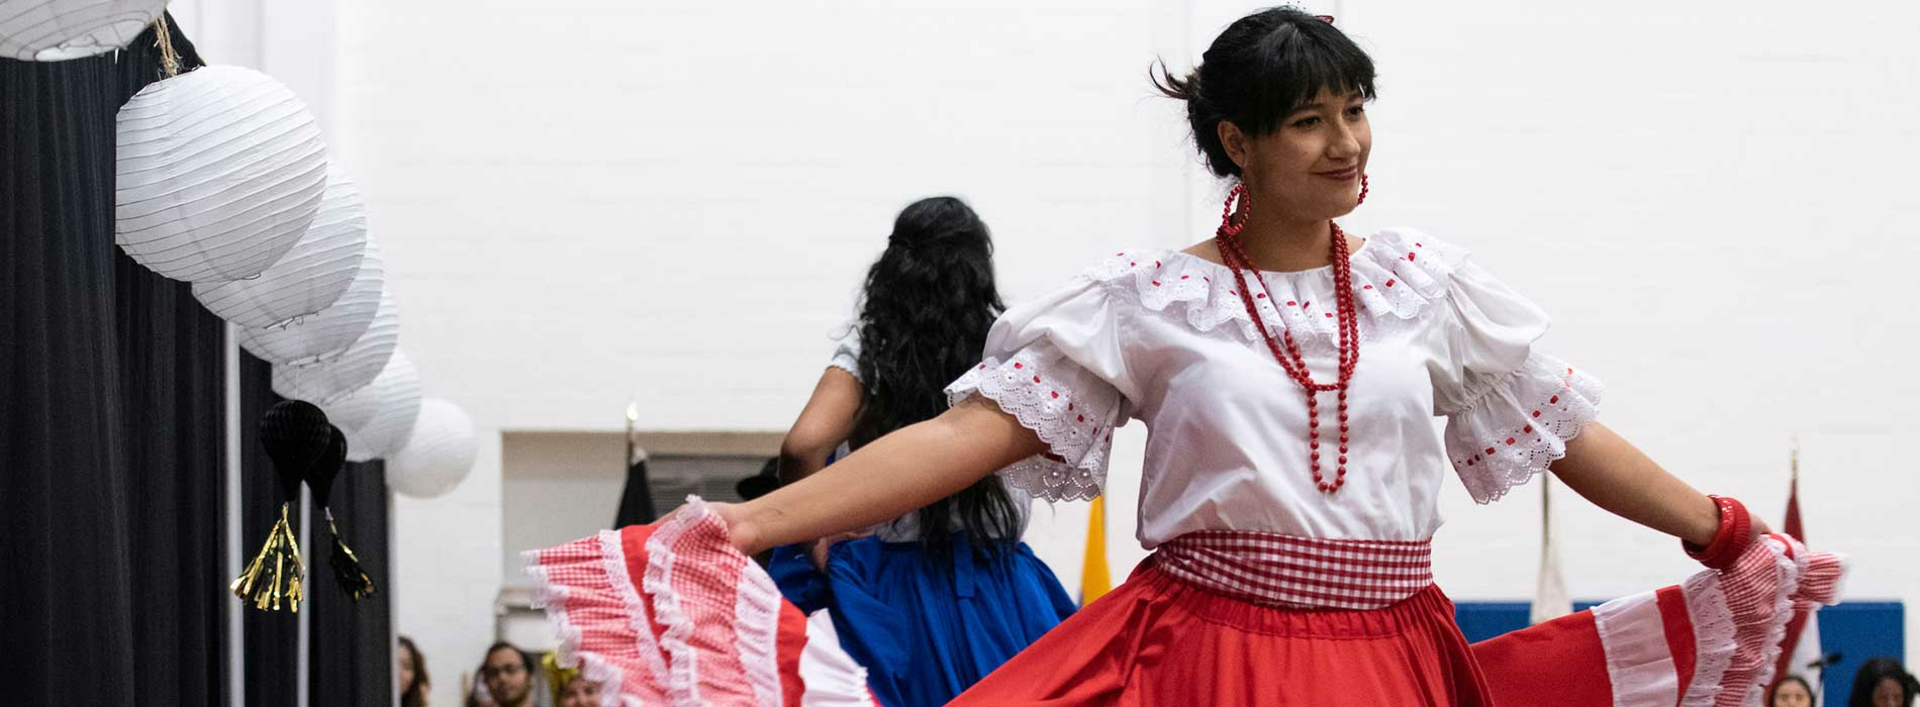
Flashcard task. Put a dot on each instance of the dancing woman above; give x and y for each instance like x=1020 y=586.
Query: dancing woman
x=932 y=601
x=1287 y=374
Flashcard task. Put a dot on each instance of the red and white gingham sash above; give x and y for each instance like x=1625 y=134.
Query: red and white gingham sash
x=1285 y=570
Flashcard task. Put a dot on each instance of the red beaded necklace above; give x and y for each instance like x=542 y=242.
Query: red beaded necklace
x=1235 y=256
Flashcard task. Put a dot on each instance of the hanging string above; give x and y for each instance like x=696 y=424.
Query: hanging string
x=169 y=59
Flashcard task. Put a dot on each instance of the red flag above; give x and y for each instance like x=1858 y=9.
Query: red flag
x=1790 y=658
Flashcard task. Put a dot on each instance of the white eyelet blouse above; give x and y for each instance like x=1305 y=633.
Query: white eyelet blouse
x=1163 y=337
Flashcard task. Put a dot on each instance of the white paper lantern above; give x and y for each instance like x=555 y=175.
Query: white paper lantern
x=309 y=278
x=397 y=389
x=378 y=418
x=219 y=172
x=334 y=376
x=306 y=340
x=439 y=455
x=56 y=30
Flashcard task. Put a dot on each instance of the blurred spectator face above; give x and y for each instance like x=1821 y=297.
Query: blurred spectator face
x=508 y=679
x=1889 y=693
x=406 y=668
x=580 y=692
x=1791 y=694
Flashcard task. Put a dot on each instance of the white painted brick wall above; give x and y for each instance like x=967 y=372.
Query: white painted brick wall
x=672 y=201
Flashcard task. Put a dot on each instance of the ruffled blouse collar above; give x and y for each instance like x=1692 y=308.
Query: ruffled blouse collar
x=1397 y=273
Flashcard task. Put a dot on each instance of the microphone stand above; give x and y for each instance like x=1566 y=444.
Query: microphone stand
x=1819 y=682
x=1820 y=674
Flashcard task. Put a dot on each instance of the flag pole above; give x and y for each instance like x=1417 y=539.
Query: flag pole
x=636 y=497
x=1793 y=460
x=1550 y=599
x=1546 y=515
x=633 y=417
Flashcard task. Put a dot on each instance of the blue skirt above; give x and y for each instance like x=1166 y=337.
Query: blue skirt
x=926 y=628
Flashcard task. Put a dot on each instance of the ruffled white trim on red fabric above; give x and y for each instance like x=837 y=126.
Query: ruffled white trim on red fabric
x=1073 y=413
x=1762 y=588
x=1518 y=424
x=682 y=662
x=1397 y=274
x=1740 y=615
x=1715 y=637
x=613 y=560
x=1641 y=667
x=1737 y=619
x=585 y=579
x=757 y=613
x=833 y=679
x=720 y=613
x=721 y=619
x=592 y=666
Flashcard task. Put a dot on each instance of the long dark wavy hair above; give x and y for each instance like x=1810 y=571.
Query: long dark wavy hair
x=1875 y=670
x=924 y=314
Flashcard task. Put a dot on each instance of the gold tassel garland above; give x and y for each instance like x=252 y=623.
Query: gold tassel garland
x=288 y=571
x=346 y=566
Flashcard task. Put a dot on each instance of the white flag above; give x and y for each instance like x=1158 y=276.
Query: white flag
x=1807 y=651
x=1550 y=600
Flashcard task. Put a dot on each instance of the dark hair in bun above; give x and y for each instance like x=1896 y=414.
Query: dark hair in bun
x=1261 y=69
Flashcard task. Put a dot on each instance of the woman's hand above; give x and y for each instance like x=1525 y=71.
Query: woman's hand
x=1760 y=530
x=743 y=536
x=818 y=550
x=739 y=532
x=898 y=473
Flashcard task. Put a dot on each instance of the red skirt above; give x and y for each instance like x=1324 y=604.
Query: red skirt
x=1156 y=640
x=1160 y=640
x=672 y=614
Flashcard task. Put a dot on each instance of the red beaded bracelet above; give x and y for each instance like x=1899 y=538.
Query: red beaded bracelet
x=1729 y=540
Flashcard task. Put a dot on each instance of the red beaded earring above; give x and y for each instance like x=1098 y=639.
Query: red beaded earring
x=1229 y=227
x=1363 y=189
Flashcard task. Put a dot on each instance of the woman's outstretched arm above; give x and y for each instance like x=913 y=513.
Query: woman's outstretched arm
x=885 y=479
x=824 y=423
x=1607 y=470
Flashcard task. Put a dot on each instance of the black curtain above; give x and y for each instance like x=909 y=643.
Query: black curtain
x=112 y=430
x=67 y=603
x=271 y=653
x=172 y=390
x=351 y=659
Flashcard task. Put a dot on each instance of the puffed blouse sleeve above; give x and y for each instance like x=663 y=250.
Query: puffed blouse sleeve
x=1510 y=409
x=846 y=347
x=1057 y=364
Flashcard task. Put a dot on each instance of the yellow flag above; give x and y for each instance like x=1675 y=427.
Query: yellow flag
x=1095 y=580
